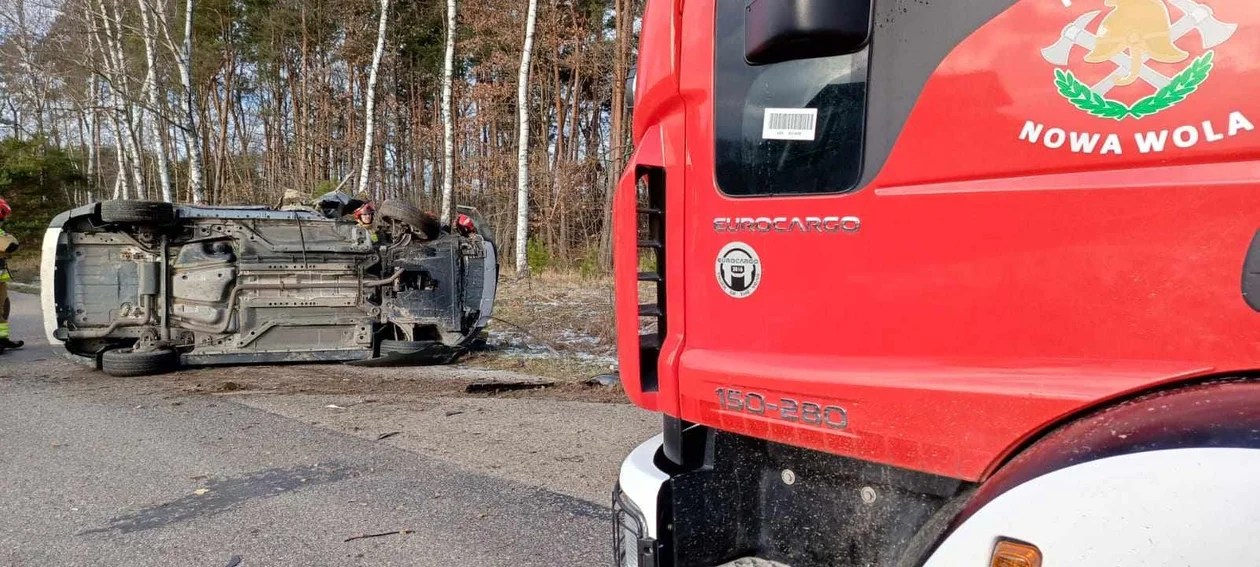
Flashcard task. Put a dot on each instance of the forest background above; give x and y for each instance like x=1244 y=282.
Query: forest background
x=488 y=103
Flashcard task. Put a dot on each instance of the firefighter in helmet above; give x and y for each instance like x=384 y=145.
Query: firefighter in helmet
x=8 y=245
x=365 y=216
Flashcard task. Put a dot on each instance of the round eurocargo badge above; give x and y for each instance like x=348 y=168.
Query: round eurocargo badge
x=738 y=270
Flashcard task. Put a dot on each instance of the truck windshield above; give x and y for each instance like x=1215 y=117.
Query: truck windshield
x=788 y=128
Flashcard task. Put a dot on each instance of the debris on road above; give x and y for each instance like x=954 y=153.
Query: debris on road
x=384 y=436
x=497 y=386
x=334 y=406
x=453 y=413
x=382 y=534
x=235 y=561
x=430 y=354
x=604 y=380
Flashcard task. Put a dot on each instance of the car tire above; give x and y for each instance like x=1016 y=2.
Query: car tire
x=126 y=362
x=410 y=215
x=390 y=346
x=125 y=211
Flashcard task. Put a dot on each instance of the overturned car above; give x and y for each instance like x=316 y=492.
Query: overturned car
x=138 y=287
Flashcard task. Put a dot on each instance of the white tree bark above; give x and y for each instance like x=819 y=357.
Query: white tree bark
x=93 y=128
x=448 y=122
x=120 y=178
x=369 y=114
x=153 y=115
x=195 y=178
x=187 y=98
x=124 y=122
x=96 y=46
x=522 y=151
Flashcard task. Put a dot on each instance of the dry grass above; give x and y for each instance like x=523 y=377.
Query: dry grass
x=554 y=324
x=25 y=266
x=555 y=313
x=560 y=367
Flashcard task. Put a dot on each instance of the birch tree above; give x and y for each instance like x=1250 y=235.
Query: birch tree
x=448 y=123
x=93 y=128
x=97 y=46
x=188 y=97
x=522 y=151
x=369 y=116
x=124 y=116
x=153 y=115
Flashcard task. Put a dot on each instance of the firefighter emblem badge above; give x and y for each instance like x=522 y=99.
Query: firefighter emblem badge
x=1129 y=37
x=738 y=270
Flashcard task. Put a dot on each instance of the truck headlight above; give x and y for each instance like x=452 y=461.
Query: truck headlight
x=631 y=546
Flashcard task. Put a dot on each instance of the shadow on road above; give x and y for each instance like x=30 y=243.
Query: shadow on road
x=218 y=496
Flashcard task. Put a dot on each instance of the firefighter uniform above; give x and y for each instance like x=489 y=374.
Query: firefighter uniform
x=8 y=245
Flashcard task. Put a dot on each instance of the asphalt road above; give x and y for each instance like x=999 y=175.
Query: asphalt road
x=27 y=325
x=94 y=475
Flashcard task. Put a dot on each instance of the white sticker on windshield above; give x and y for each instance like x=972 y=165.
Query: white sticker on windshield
x=789 y=124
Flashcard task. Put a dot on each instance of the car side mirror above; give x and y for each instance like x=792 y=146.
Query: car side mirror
x=786 y=30
x=630 y=86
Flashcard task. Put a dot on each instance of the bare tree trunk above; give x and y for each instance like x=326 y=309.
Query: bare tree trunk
x=187 y=99
x=369 y=113
x=618 y=126
x=522 y=151
x=96 y=46
x=32 y=79
x=116 y=66
x=196 y=180
x=224 y=110
x=120 y=175
x=153 y=114
x=94 y=138
x=448 y=123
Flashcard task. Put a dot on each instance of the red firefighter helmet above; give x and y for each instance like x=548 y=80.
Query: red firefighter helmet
x=465 y=224
x=366 y=209
x=5 y=210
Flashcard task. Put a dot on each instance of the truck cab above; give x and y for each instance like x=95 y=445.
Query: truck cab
x=942 y=283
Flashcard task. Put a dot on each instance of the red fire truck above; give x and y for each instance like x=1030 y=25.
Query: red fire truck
x=955 y=284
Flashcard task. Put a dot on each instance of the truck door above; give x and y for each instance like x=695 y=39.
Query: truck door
x=917 y=251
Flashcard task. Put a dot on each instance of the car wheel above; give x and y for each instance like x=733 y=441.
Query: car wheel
x=410 y=215
x=390 y=346
x=126 y=362
x=125 y=211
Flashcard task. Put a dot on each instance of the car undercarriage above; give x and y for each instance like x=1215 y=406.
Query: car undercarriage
x=139 y=287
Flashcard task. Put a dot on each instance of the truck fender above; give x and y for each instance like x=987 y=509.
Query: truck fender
x=1168 y=478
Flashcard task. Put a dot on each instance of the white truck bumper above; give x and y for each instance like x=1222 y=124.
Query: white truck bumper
x=635 y=505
